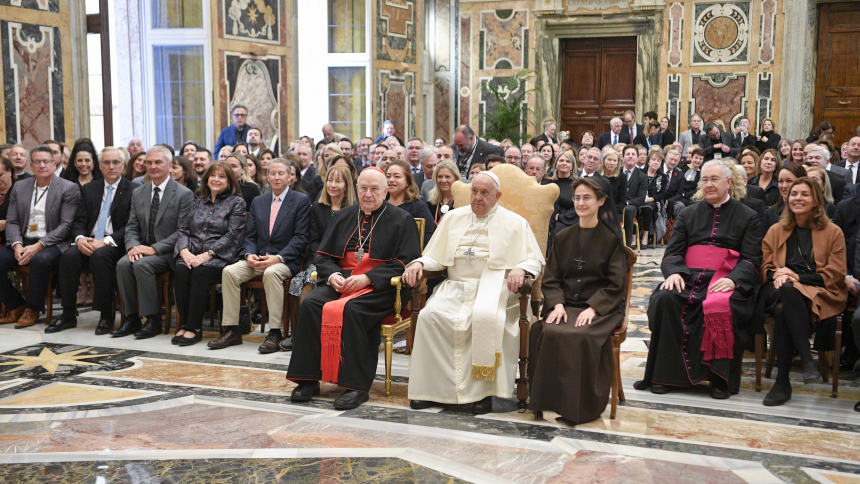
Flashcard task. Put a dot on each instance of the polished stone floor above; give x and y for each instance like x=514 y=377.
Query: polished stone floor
x=80 y=408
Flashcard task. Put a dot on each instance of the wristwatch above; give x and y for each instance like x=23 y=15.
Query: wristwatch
x=211 y=253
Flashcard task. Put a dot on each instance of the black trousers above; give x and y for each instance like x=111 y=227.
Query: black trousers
x=102 y=264
x=792 y=329
x=628 y=213
x=646 y=217
x=192 y=288
x=41 y=266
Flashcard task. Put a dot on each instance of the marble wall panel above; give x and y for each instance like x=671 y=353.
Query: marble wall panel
x=255 y=20
x=720 y=96
x=767 y=32
x=396 y=100
x=443 y=34
x=397 y=31
x=32 y=83
x=504 y=39
x=254 y=82
x=763 y=97
x=442 y=114
x=676 y=34
x=43 y=5
x=464 y=44
x=673 y=103
x=721 y=33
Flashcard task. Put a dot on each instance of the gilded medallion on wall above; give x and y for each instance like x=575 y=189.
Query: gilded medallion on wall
x=721 y=33
x=255 y=20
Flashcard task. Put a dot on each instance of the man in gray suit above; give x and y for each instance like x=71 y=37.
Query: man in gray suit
x=157 y=210
x=690 y=138
x=38 y=224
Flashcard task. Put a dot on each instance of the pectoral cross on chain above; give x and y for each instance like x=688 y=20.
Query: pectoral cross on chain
x=579 y=263
x=359 y=254
x=469 y=253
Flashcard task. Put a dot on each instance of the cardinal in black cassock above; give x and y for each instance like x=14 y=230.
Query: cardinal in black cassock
x=338 y=333
x=693 y=340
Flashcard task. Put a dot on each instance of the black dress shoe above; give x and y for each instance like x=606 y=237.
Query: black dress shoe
x=641 y=385
x=305 y=391
x=130 y=326
x=351 y=399
x=61 y=324
x=811 y=373
x=778 y=395
x=719 y=393
x=659 y=389
x=198 y=337
x=105 y=326
x=150 y=329
x=286 y=344
x=847 y=364
x=421 y=404
x=483 y=406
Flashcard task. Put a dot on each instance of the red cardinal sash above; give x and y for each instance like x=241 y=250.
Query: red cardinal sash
x=719 y=339
x=332 y=316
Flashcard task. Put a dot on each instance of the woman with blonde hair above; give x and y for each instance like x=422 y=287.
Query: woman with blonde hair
x=803 y=283
x=441 y=198
x=820 y=175
x=328 y=151
x=767 y=138
x=610 y=168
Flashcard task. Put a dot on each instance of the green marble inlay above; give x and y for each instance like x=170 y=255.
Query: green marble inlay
x=227 y=471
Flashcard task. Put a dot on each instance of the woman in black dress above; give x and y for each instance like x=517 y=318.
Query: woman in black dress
x=182 y=172
x=403 y=193
x=83 y=164
x=611 y=169
x=250 y=190
x=655 y=195
x=786 y=176
x=767 y=138
x=667 y=136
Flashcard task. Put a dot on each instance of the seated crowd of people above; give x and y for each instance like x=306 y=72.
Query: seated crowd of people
x=747 y=220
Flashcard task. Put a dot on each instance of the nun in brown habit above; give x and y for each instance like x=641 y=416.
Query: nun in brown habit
x=570 y=350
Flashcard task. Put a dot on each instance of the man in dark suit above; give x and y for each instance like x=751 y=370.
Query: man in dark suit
x=630 y=127
x=847 y=218
x=312 y=184
x=98 y=235
x=157 y=210
x=650 y=138
x=637 y=190
x=469 y=150
x=717 y=144
x=743 y=137
x=614 y=136
x=236 y=132
x=839 y=177
x=275 y=241
x=40 y=214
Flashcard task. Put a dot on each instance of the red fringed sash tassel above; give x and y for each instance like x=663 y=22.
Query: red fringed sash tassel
x=718 y=341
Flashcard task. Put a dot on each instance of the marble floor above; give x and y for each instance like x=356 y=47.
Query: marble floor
x=80 y=408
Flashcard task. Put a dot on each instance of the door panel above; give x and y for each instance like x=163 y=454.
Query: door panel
x=837 y=86
x=598 y=83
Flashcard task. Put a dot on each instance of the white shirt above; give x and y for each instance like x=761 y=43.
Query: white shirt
x=160 y=188
x=852 y=168
x=109 y=225
x=585 y=174
x=37 y=213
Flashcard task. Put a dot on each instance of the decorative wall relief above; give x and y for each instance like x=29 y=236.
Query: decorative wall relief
x=673 y=103
x=396 y=101
x=44 y=5
x=596 y=4
x=255 y=20
x=720 y=96
x=763 y=97
x=768 y=36
x=721 y=33
x=32 y=83
x=676 y=34
x=504 y=40
x=442 y=114
x=465 y=46
x=254 y=83
x=488 y=103
x=396 y=31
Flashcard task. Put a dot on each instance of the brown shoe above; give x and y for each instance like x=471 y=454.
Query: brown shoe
x=273 y=339
x=27 y=319
x=229 y=338
x=13 y=316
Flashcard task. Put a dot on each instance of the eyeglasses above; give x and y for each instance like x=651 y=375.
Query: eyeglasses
x=373 y=190
x=240 y=115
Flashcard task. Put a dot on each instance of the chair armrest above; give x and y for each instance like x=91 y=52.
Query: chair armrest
x=395 y=282
x=526 y=289
x=314 y=276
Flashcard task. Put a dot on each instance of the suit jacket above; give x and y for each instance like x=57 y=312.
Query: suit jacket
x=756 y=192
x=228 y=137
x=758 y=206
x=89 y=209
x=626 y=130
x=749 y=140
x=290 y=235
x=60 y=206
x=419 y=179
x=637 y=187
x=838 y=180
x=482 y=151
x=312 y=184
x=426 y=188
x=674 y=183
x=707 y=144
x=686 y=140
x=175 y=203
x=606 y=138
x=847 y=218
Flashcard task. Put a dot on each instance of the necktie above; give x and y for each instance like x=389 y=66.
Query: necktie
x=853 y=173
x=103 y=215
x=275 y=206
x=628 y=172
x=153 y=213
x=614 y=139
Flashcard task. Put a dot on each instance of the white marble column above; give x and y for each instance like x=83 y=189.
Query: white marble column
x=80 y=80
x=797 y=89
x=127 y=83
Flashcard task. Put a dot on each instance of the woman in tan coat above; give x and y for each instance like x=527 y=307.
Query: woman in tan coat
x=803 y=277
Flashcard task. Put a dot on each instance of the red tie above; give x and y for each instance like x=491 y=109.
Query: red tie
x=274 y=215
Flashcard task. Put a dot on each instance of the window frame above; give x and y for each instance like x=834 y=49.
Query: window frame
x=175 y=37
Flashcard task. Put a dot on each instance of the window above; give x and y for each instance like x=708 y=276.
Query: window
x=346 y=26
x=179 y=94
x=347 y=101
x=96 y=88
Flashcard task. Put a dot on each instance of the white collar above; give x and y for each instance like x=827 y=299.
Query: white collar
x=719 y=205
x=115 y=184
x=162 y=186
x=281 y=196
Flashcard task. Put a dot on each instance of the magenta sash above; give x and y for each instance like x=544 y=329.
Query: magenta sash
x=718 y=340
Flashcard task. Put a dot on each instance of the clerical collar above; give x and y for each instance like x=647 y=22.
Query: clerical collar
x=373 y=213
x=720 y=205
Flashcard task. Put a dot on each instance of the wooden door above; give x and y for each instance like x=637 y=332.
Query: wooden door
x=598 y=83
x=837 y=86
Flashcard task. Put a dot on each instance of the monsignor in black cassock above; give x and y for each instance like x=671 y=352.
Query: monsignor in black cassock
x=392 y=244
x=676 y=320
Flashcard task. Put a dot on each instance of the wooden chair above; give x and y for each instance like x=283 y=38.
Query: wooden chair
x=522 y=195
x=24 y=272
x=618 y=337
x=257 y=283
x=164 y=282
x=823 y=356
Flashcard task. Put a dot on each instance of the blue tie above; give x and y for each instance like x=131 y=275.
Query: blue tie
x=614 y=139
x=103 y=216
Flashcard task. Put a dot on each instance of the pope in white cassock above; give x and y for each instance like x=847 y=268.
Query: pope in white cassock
x=467 y=342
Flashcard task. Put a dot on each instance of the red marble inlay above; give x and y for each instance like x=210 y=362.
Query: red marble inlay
x=465 y=66
x=722 y=103
x=31 y=58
